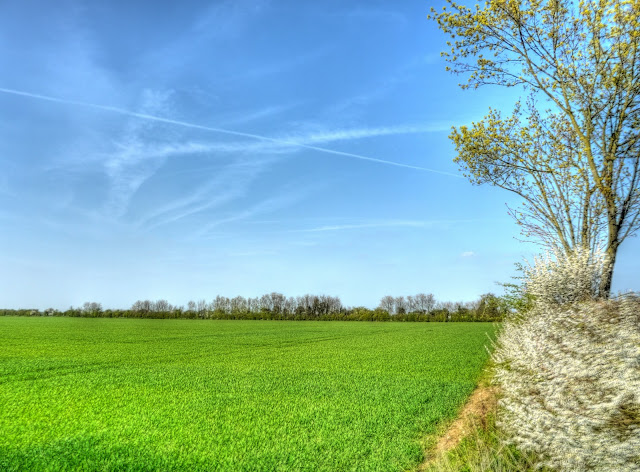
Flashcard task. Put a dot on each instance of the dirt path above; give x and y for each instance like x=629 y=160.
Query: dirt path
x=474 y=413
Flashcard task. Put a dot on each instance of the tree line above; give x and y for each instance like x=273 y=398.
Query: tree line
x=276 y=306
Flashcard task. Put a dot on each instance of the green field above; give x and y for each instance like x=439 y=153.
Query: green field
x=123 y=394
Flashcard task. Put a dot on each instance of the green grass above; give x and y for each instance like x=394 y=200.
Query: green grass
x=486 y=448
x=122 y=394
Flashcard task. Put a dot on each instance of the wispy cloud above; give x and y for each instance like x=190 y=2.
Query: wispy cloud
x=259 y=114
x=130 y=166
x=218 y=21
x=288 y=142
x=347 y=134
x=380 y=88
x=379 y=224
x=137 y=160
x=279 y=141
x=389 y=224
x=264 y=206
x=468 y=254
x=277 y=67
x=214 y=193
x=285 y=143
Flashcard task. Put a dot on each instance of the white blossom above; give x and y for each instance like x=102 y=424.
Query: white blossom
x=570 y=369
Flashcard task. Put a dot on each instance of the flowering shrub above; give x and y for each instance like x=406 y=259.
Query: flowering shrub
x=557 y=278
x=570 y=370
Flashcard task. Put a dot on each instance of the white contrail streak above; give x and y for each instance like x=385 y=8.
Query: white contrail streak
x=186 y=124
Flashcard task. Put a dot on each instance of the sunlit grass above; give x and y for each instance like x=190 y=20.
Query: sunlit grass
x=108 y=394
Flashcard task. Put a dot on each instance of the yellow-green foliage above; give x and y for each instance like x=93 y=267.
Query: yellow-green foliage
x=117 y=394
x=573 y=153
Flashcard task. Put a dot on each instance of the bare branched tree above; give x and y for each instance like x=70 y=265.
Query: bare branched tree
x=577 y=163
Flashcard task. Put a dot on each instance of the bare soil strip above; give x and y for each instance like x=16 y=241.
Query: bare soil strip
x=474 y=414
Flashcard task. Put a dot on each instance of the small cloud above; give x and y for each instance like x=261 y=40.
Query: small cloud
x=468 y=254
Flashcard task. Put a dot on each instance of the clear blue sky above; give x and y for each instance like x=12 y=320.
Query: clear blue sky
x=181 y=150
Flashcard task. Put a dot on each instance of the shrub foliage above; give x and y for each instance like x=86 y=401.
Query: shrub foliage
x=569 y=368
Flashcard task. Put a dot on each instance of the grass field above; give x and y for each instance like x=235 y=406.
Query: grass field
x=123 y=394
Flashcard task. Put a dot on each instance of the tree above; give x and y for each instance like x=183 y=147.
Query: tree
x=387 y=303
x=239 y=305
x=161 y=306
x=424 y=303
x=400 y=305
x=92 y=308
x=576 y=164
x=273 y=302
x=490 y=307
x=290 y=306
x=334 y=304
x=253 y=304
x=220 y=305
x=278 y=301
x=142 y=306
x=201 y=308
x=411 y=304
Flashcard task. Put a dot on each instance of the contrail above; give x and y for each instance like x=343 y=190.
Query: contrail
x=186 y=124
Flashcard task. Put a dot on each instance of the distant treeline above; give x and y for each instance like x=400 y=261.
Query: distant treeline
x=276 y=306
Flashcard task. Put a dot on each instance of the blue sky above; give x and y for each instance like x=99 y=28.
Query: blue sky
x=181 y=150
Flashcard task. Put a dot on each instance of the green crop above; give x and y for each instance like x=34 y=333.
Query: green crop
x=122 y=394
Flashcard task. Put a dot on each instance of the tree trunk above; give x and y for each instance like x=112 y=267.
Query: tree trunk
x=607 y=276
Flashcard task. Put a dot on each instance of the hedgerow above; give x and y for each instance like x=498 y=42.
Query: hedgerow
x=569 y=368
